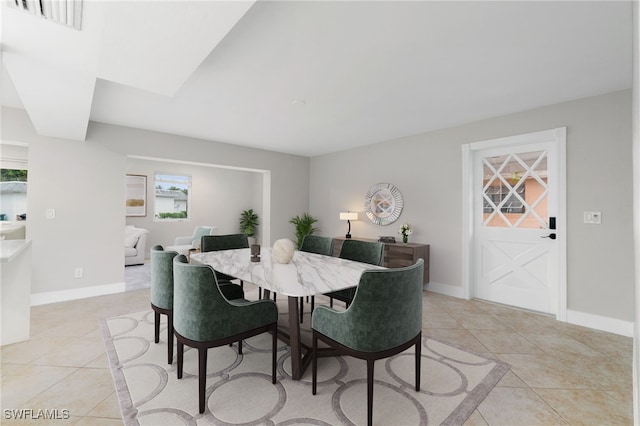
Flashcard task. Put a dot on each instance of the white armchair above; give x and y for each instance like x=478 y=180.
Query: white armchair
x=183 y=244
x=135 y=242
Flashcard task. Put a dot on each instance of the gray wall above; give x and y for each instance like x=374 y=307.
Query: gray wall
x=427 y=170
x=84 y=182
x=216 y=194
x=289 y=174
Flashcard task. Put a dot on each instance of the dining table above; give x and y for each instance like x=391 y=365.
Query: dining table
x=306 y=274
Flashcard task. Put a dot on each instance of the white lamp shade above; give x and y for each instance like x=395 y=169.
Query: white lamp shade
x=348 y=216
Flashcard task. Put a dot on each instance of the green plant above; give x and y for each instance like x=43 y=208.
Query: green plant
x=179 y=215
x=304 y=226
x=248 y=222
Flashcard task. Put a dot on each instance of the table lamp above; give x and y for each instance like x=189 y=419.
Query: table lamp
x=348 y=216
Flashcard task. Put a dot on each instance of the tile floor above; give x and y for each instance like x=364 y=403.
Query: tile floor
x=560 y=374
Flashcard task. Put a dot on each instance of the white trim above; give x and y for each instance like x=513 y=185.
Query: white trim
x=526 y=138
x=75 y=293
x=467 y=220
x=16 y=143
x=561 y=222
x=635 y=112
x=557 y=134
x=196 y=163
x=597 y=322
x=446 y=289
x=265 y=231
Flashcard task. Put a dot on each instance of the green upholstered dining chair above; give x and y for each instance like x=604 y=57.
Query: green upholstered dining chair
x=224 y=242
x=384 y=319
x=204 y=318
x=319 y=245
x=162 y=293
x=371 y=252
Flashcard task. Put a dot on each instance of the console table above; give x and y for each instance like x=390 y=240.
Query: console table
x=396 y=255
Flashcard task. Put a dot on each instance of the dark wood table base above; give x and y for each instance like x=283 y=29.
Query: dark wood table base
x=301 y=354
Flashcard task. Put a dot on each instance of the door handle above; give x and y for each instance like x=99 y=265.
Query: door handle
x=551 y=235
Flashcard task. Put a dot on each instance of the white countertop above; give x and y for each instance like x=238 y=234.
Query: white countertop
x=9 y=249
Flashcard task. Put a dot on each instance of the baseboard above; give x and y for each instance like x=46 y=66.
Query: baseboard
x=446 y=289
x=75 y=293
x=597 y=322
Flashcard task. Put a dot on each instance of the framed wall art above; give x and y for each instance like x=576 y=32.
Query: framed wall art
x=136 y=195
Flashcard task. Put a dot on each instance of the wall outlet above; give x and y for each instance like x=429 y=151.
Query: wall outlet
x=78 y=273
x=51 y=213
x=594 y=218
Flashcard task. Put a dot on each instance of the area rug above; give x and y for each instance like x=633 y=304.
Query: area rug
x=137 y=277
x=239 y=389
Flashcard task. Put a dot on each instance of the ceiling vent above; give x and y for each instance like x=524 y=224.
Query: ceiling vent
x=65 y=12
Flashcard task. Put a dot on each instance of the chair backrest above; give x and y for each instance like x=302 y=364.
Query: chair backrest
x=224 y=242
x=200 y=311
x=162 y=277
x=316 y=244
x=391 y=302
x=370 y=252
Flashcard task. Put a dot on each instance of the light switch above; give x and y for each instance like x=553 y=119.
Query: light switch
x=594 y=218
x=51 y=213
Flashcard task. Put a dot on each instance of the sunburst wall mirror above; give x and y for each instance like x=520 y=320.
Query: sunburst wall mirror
x=383 y=203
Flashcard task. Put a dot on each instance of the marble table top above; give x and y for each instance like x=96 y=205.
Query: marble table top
x=307 y=274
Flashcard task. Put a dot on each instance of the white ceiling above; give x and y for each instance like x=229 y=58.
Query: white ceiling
x=309 y=77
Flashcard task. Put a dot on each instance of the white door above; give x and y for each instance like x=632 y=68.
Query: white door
x=518 y=220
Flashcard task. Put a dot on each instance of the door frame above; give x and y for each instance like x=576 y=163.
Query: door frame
x=559 y=135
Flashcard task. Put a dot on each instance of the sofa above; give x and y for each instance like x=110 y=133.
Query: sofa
x=135 y=243
x=13 y=230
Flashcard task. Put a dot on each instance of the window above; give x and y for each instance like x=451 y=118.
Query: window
x=497 y=194
x=172 y=199
x=13 y=194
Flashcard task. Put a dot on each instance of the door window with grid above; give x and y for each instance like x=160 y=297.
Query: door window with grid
x=515 y=190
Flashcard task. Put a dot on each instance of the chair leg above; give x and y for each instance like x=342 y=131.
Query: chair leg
x=180 y=349
x=314 y=364
x=240 y=347
x=274 y=359
x=370 y=391
x=418 y=360
x=156 y=324
x=331 y=302
x=301 y=310
x=313 y=303
x=169 y=338
x=202 y=377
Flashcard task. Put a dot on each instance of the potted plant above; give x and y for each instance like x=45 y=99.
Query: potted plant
x=248 y=222
x=304 y=226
